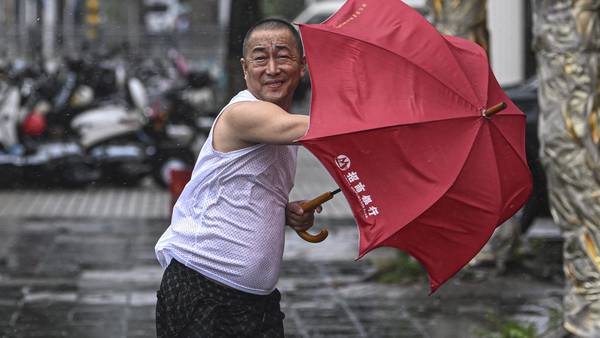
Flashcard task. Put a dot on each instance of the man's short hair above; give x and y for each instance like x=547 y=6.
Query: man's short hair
x=273 y=24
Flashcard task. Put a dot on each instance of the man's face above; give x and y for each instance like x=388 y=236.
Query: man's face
x=272 y=66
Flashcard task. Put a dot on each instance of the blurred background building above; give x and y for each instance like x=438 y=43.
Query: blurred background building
x=146 y=27
x=199 y=29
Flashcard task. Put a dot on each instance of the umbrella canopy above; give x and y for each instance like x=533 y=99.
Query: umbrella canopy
x=397 y=120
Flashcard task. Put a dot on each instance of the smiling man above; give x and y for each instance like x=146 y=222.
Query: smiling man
x=224 y=247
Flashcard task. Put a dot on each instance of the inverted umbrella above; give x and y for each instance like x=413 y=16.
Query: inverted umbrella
x=401 y=118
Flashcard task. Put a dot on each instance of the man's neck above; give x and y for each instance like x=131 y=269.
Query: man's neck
x=285 y=104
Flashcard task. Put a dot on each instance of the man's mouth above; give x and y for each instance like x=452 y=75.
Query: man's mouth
x=274 y=84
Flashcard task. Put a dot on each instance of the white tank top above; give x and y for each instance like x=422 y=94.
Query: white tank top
x=229 y=222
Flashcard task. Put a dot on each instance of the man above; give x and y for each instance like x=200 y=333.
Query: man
x=224 y=247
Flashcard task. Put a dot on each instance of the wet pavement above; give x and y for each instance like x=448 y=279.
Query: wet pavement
x=68 y=272
x=69 y=278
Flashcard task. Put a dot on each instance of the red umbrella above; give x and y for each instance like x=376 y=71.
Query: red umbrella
x=400 y=117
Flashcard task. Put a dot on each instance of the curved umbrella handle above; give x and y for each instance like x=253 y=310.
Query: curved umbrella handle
x=310 y=206
x=320 y=237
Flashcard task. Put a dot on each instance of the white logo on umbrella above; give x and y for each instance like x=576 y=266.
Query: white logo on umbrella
x=343 y=162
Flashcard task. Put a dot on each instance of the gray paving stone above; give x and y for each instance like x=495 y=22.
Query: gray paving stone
x=139 y=276
x=50 y=297
x=141 y=329
x=93 y=314
x=6 y=313
x=104 y=298
x=7 y=331
x=97 y=330
x=147 y=298
x=9 y=294
x=142 y=313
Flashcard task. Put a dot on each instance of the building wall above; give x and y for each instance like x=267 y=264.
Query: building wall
x=204 y=40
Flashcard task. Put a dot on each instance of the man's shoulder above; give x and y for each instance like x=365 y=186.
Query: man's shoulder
x=243 y=96
x=247 y=110
x=239 y=101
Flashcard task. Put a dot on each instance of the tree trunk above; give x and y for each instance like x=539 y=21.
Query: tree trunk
x=567 y=43
x=464 y=18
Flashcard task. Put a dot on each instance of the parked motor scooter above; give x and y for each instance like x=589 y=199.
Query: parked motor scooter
x=27 y=157
x=110 y=129
x=180 y=123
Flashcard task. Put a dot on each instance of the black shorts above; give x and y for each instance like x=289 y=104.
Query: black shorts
x=191 y=305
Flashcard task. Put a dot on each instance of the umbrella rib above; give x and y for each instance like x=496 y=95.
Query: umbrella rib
x=450 y=48
x=404 y=124
x=401 y=56
x=495 y=171
x=390 y=126
x=516 y=151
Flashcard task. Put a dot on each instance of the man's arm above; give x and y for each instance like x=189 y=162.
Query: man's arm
x=260 y=122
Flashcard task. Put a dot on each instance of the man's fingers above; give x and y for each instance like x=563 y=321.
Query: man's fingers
x=295 y=208
x=296 y=219
x=299 y=219
x=302 y=227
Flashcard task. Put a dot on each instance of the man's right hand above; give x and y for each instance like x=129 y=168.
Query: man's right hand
x=299 y=219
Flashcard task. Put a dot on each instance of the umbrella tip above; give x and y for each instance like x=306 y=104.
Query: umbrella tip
x=336 y=191
x=493 y=110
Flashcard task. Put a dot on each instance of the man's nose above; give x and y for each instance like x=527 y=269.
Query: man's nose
x=272 y=66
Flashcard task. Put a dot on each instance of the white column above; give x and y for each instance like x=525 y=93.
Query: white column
x=4 y=26
x=27 y=18
x=68 y=27
x=10 y=23
x=224 y=12
x=48 y=28
x=506 y=24
x=133 y=24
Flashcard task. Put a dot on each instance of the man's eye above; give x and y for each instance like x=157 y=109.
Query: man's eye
x=284 y=59
x=260 y=59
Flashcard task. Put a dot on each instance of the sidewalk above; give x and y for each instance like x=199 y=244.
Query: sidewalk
x=81 y=264
x=97 y=278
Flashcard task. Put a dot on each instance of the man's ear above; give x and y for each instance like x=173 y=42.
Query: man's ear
x=244 y=67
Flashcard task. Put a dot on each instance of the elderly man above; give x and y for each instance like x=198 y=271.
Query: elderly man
x=224 y=247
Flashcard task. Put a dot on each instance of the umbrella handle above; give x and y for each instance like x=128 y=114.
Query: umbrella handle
x=320 y=237
x=310 y=206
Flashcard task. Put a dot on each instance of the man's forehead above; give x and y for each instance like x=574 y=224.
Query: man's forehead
x=267 y=38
